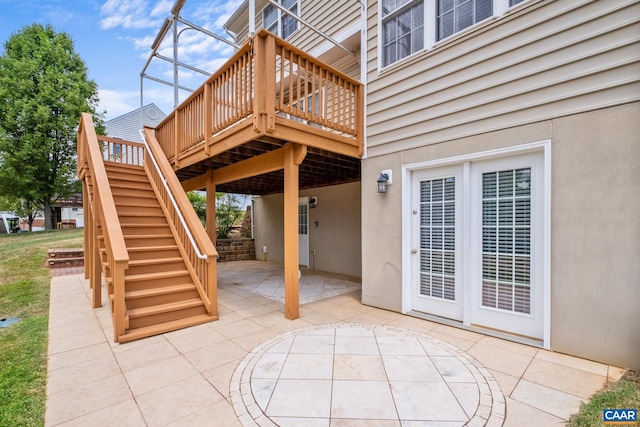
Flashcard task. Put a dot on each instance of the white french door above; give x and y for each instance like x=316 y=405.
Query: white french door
x=477 y=245
x=436 y=224
x=507 y=241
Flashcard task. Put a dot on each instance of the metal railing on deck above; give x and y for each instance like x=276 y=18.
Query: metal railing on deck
x=266 y=77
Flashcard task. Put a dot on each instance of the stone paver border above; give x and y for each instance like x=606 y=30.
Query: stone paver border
x=491 y=410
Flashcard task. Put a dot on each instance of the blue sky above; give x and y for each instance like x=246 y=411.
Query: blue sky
x=114 y=39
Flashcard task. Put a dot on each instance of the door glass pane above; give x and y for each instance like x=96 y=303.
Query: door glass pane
x=506 y=240
x=437 y=238
x=303 y=219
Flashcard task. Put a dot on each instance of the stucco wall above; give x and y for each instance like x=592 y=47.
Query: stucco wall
x=595 y=227
x=336 y=238
x=595 y=290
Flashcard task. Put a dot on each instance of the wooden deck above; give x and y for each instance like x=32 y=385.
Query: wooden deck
x=272 y=120
x=268 y=94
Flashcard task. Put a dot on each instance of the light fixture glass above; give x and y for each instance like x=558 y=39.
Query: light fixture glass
x=382 y=183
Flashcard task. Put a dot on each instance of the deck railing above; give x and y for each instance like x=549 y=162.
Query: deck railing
x=191 y=235
x=267 y=77
x=103 y=216
x=93 y=152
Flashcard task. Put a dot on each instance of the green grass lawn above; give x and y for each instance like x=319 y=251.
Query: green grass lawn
x=624 y=394
x=24 y=293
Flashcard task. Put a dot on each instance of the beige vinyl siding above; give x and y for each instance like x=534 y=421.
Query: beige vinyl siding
x=331 y=17
x=544 y=59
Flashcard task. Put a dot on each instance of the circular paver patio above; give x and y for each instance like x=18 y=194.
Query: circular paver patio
x=339 y=373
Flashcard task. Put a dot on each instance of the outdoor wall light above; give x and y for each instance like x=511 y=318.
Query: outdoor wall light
x=384 y=180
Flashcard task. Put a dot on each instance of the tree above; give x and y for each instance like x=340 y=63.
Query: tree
x=44 y=87
x=199 y=203
x=228 y=212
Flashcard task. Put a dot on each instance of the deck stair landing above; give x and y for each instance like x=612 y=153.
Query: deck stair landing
x=160 y=294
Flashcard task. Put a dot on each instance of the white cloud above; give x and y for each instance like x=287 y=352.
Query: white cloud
x=117 y=103
x=162 y=8
x=129 y=14
x=141 y=20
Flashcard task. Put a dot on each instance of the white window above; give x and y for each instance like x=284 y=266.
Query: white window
x=456 y=15
x=409 y=26
x=402 y=29
x=279 y=22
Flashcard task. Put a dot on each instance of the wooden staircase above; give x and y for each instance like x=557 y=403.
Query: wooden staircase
x=160 y=294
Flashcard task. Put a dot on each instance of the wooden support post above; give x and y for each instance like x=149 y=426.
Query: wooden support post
x=211 y=207
x=293 y=156
x=269 y=70
x=259 y=81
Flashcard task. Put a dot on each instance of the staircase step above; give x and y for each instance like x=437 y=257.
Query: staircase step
x=145 y=293
x=155 y=228
x=155 y=265
x=146 y=240
x=174 y=325
x=155 y=276
x=127 y=174
x=162 y=264
x=152 y=261
x=66 y=262
x=158 y=296
x=122 y=201
x=133 y=192
x=161 y=313
x=140 y=213
x=118 y=193
x=145 y=252
x=65 y=253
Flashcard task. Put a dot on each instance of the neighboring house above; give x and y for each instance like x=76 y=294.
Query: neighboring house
x=127 y=126
x=69 y=212
x=509 y=133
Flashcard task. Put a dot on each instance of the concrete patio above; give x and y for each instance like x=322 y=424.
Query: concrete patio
x=340 y=364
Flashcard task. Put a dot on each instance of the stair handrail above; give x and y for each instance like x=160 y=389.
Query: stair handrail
x=173 y=200
x=117 y=254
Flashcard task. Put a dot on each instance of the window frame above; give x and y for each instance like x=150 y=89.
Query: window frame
x=430 y=27
x=280 y=18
